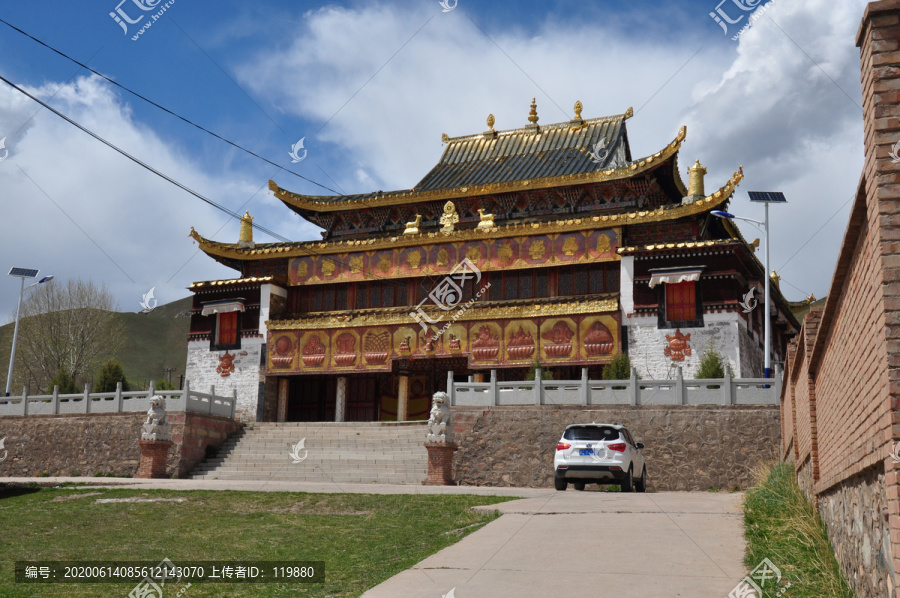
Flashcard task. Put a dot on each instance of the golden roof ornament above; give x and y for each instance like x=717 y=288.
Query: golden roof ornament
x=412 y=228
x=695 y=180
x=533 y=115
x=485 y=221
x=490 y=122
x=449 y=219
x=811 y=298
x=578 y=108
x=245 y=237
x=775 y=278
x=445 y=138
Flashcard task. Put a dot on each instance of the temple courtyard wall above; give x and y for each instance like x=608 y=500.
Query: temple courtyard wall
x=103 y=443
x=687 y=447
x=205 y=368
x=725 y=332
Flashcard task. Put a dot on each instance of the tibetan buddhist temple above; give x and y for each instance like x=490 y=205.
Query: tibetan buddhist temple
x=545 y=245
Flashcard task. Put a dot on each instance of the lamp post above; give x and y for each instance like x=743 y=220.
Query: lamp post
x=765 y=197
x=22 y=273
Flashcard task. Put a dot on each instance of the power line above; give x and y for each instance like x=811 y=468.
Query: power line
x=138 y=161
x=166 y=110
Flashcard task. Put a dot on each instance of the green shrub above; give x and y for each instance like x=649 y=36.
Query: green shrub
x=532 y=372
x=711 y=365
x=66 y=383
x=618 y=369
x=164 y=385
x=110 y=375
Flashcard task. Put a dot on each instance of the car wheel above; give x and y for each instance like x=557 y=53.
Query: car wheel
x=641 y=484
x=628 y=482
x=560 y=484
x=578 y=485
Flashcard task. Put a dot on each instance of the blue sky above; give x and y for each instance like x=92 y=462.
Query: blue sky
x=371 y=86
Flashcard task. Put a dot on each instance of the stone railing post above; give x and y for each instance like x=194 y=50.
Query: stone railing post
x=679 y=386
x=493 y=388
x=212 y=393
x=87 y=398
x=633 y=391
x=24 y=400
x=728 y=390
x=538 y=386
x=54 y=402
x=233 y=402
x=152 y=390
x=119 y=397
x=779 y=374
x=450 y=393
x=585 y=389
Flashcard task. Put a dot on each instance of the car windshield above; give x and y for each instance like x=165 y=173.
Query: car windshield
x=591 y=433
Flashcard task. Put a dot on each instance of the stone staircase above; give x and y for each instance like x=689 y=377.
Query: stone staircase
x=352 y=452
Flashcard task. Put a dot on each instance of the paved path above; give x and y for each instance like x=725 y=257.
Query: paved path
x=597 y=544
x=602 y=545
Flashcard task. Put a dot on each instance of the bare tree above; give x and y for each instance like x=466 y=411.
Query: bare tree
x=66 y=325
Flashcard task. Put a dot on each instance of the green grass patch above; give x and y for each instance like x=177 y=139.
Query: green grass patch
x=782 y=526
x=363 y=539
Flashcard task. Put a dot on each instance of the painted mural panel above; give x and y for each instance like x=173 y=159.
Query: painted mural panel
x=521 y=340
x=569 y=247
x=558 y=339
x=283 y=350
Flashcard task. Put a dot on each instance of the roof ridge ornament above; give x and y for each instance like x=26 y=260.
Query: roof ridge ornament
x=533 y=116
x=628 y=113
x=491 y=131
x=577 y=122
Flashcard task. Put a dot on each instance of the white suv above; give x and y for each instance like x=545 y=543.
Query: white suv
x=601 y=454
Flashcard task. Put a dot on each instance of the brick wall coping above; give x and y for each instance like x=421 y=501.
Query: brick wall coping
x=873 y=9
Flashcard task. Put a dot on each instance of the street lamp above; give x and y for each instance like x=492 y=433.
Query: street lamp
x=765 y=197
x=22 y=273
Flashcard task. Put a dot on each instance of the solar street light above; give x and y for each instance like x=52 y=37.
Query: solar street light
x=764 y=197
x=21 y=273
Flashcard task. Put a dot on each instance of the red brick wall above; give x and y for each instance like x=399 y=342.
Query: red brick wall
x=841 y=396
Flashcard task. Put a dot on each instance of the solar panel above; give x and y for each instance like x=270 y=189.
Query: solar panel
x=23 y=272
x=767 y=196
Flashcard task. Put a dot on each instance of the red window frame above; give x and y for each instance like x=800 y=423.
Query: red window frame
x=681 y=301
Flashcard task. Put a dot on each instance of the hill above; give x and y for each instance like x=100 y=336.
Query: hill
x=153 y=342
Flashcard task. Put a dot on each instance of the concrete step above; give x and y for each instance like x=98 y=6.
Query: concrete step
x=335 y=452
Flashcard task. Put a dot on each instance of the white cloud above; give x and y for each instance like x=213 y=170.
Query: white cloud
x=766 y=106
x=138 y=219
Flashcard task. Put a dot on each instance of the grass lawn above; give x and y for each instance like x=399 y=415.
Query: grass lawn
x=782 y=526
x=363 y=539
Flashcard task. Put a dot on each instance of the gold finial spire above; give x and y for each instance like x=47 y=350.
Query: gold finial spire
x=811 y=298
x=775 y=278
x=490 y=122
x=695 y=180
x=578 y=108
x=246 y=235
x=532 y=114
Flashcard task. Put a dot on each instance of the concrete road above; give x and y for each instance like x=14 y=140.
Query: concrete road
x=660 y=545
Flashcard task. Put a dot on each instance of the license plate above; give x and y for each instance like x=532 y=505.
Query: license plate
x=585 y=452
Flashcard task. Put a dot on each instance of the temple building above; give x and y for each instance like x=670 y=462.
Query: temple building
x=546 y=245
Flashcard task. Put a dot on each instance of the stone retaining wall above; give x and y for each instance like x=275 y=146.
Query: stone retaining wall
x=855 y=513
x=104 y=443
x=688 y=447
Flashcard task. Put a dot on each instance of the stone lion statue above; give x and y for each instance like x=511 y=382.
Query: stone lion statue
x=440 y=417
x=156 y=428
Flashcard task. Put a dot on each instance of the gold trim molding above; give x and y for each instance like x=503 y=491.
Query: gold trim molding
x=478 y=312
